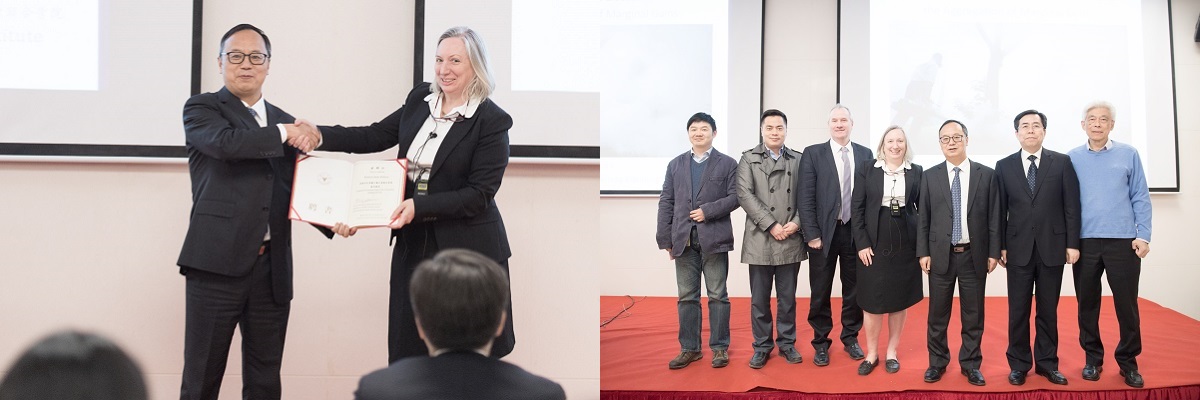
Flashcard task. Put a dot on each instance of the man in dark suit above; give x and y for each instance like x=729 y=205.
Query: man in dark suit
x=699 y=192
x=826 y=184
x=1039 y=199
x=958 y=240
x=237 y=255
x=459 y=298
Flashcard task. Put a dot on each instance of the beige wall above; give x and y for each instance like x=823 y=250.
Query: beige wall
x=93 y=245
x=800 y=78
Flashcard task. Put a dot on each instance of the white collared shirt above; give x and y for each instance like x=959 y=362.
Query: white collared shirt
x=837 y=160
x=1025 y=160
x=425 y=144
x=1107 y=146
x=699 y=158
x=260 y=108
x=893 y=183
x=964 y=183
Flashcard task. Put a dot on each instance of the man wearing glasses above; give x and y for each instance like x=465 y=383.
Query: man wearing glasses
x=237 y=255
x=958 y=240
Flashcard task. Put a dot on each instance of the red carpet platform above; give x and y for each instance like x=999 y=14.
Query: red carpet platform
x=637 y=344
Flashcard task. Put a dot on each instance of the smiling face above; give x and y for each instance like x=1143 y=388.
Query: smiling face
x=774 y=131
x=1031 y=133
x=895 y=147
x=840 y=125
x=701 y=135
x=1098 y=123
x=452 y=68
x=244 y=80
x=954 y=150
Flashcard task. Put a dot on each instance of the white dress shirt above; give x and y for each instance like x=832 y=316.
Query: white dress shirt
x=893 y=183
x=1025 y=160
x=837 y=160
x=964 y=183
x=425 y=144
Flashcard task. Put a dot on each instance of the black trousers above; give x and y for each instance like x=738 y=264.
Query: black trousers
x=1022 y=281
x=1124 y=267
x=215 y=305
x=784 y=278
x=941 y=303
x=403 y=340
x=821 y=269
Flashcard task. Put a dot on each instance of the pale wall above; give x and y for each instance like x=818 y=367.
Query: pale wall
x=800 y=75
x=93 y=246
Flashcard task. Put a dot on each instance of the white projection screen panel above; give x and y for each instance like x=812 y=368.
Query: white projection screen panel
x=917 y=63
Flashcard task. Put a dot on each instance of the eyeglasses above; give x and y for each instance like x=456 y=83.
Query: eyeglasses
x=453 y=117
x=955 y=138
x=236 y=57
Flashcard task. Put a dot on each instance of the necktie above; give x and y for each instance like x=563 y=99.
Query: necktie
x=956 y=204
x=845 y=214
x=254 y=114
x=1032 y=174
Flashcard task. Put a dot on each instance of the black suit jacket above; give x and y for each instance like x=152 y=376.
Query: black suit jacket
x=455 y=375
x=868 y=197
x=241 y=183
x=460 y=206
x=936 y=217
x=1048 y=216
x=819 y=199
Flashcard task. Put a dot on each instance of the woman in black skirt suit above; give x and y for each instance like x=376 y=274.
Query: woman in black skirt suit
x=885 y=227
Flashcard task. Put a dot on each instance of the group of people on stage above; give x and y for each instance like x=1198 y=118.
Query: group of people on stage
x=886 y=220
x=237 y=255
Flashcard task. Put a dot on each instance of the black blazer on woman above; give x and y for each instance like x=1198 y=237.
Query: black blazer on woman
x=460 y=207
x=868 y=197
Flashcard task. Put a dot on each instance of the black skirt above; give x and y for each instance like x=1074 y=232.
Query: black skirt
x=893 y=280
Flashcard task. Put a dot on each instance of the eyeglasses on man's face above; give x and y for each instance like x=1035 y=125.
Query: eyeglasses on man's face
x=955 y=138
x=237 y=57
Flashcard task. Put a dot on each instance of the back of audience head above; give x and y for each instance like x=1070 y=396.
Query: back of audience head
x=71 y=365
x=459 y=298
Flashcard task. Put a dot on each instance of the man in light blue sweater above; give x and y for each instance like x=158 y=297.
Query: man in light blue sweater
x=1115 y=236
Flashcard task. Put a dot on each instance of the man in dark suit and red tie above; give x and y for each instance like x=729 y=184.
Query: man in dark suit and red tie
x=237 y=255
x=958 y=241
x=824 y=201
x=1039 y=205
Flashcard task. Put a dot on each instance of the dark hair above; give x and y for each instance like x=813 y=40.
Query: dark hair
x=244 y=27
x=72 y=365
x=1017 y=120
x=772 y=113
x=459 y=298
x=702 y=117
x=951 y=121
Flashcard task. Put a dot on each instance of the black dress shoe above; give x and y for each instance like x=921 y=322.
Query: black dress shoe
x=792 y=356
x=759 y=359
x=891 y=365
x=1092 y=372
x=1054 y=377
x=1133 y=378
x=856 y=352
x=866 y=367
x=1016 y=378
x=822 y=357
x=683 y=359
x=720 y=358
x=974 y=377
x=934 y=374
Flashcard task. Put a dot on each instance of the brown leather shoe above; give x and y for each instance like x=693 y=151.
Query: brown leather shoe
x=684 y=358
x=720 y=358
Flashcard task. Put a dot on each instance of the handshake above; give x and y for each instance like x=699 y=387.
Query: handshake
x=303 y=135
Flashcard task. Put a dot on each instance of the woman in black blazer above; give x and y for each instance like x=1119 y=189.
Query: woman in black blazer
x=884 y=222
x=456 y=141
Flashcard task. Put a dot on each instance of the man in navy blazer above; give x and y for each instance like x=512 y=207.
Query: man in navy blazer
x=459 y=298
x=958 y=241
x=1039 y=202
x=826 y=185
x=237 y=255
x=694 y=227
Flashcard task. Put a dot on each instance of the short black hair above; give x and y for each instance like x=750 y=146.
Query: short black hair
x=459 y=298
x=951 y=121
x=244 y=27
x=702 y=117
x=1017 y=120
x=74 y=365
x=772 y=113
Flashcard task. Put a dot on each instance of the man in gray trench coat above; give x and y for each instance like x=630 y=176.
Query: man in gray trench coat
x=766 y=179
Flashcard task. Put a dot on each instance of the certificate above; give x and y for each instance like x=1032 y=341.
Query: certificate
x=361 y=194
